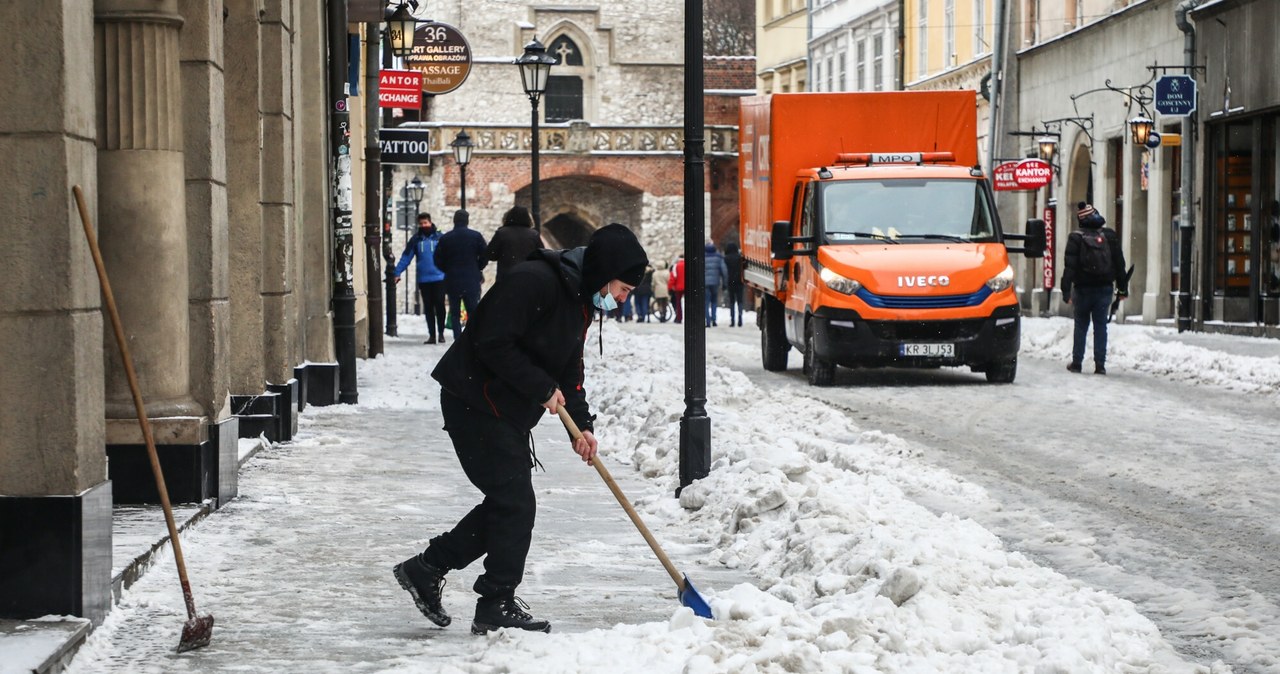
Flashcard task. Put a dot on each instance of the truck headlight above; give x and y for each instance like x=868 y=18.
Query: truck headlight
x=839 y=283
x=1002 y=280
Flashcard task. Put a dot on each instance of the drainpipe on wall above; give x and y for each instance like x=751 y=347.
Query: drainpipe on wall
x=902 y=45
x=1186 y=210
x=997 y=77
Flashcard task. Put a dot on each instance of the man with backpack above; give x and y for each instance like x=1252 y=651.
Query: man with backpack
x=1093 y=267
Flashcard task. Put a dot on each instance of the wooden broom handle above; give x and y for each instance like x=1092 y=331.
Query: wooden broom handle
x=622 y=500
x=110 y=301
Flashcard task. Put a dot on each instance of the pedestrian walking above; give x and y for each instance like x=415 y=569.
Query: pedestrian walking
x=661 y=290
x=461 y=255
x=643 y=294
x=714 y=274
x=675 y=283
x=1093 y=268
x=733 y=284
x=514 y=241
x=521 y=354
x=422 y=245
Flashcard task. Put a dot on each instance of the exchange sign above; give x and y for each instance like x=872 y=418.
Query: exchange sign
x=400 y=89
x=1027 y=174
x=442 y=55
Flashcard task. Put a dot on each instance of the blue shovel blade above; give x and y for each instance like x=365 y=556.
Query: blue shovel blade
x=690 y=597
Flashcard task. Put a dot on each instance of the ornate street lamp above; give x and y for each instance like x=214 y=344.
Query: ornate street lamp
x=401 y=26
x=1047 y=146
x=1140 y=127
x=535 y=68
x=462 y=147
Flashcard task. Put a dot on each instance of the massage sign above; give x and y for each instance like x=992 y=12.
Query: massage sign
x=1028 y=174
x=442 y=55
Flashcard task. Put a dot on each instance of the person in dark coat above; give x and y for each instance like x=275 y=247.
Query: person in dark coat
x=733 y=283
x=514 y=241
x=714 y=274
x=520 y=358
x=1088 y=289
x=460 y=255
x=643 y=295
x=422 y=245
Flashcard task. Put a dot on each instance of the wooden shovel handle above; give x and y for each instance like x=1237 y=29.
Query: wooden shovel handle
x=626 y=505
x=110 y=300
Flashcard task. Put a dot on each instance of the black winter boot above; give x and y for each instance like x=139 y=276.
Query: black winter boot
x=425 y=583
x=510 y=611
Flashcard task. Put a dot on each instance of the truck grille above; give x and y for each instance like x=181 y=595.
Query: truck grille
x=924 y=301
x=927 y=331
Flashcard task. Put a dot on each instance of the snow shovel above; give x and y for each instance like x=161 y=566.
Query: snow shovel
x=197 y=631
x=686 y=591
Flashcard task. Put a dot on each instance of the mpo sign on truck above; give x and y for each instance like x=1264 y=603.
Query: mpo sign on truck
x=1027 y=174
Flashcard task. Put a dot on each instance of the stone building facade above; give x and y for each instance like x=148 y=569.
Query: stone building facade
x=611 y=137
x=198 y=132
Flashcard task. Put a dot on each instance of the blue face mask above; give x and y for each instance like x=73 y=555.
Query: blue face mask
x=606 y=303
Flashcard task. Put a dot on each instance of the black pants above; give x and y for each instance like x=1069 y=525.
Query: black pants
x=458 y=297
x=433 y=306
x=496 y=459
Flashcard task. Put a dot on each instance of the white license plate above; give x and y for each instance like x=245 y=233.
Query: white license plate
x=928 y=350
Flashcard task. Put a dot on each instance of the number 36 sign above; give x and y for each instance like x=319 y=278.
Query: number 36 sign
x=442 y=55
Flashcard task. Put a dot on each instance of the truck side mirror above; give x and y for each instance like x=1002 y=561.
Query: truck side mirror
x=780 y=240
x=1034 y=240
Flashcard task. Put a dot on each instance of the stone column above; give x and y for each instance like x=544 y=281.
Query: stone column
x=142 y=204
x=278 y=191
x=55 y=500
x=315 y=240
x=205 y=151
x=244 y=194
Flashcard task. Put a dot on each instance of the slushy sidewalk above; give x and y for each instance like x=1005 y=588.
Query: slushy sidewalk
x=296 y=571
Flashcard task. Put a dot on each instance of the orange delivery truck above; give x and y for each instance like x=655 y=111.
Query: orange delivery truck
x=870 y=233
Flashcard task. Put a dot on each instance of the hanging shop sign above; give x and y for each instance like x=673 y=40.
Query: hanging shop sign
x=1175 y=95
x=442 y=55
x=400 y=89
x=1050 y=269
x=405 y=146
x=1026 y=174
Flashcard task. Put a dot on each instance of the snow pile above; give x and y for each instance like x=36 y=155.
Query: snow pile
x=855 y=577
x=1141 y=349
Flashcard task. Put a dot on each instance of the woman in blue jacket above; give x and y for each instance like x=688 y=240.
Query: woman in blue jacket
x=430 y=279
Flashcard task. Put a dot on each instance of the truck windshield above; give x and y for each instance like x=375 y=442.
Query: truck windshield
x=906 y=211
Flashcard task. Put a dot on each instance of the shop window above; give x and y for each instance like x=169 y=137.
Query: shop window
x=1232 y=207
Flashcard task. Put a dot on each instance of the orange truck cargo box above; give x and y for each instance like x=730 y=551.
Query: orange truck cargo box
x=871 y=233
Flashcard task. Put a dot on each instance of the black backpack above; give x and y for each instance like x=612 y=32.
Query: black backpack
x=1095 y=253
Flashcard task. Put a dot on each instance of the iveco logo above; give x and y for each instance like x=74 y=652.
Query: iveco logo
x=923 y=281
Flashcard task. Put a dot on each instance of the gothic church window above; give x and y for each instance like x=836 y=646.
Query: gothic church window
x=564 y=92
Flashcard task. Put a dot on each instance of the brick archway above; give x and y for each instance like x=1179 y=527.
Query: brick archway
x=579 y=205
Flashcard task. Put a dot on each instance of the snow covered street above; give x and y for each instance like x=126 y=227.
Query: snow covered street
x=902 y=521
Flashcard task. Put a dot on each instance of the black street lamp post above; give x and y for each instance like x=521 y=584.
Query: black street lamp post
x=695 y=425
x=535 y=67
x=462 y=147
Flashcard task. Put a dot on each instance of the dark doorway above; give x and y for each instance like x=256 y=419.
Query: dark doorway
x=566 y=230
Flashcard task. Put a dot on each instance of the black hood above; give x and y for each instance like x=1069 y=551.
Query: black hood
x=567 y=262
x=614 y=252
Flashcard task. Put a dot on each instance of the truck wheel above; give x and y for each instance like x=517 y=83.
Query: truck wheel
x=820 y=372
x=773 y=336
x=1003 y=372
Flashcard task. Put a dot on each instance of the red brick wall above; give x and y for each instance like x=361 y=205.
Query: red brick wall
x=727 y=72
x=659 y=175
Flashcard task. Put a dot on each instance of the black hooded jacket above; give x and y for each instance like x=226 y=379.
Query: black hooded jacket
x=525 y=338
x=1074 y=275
